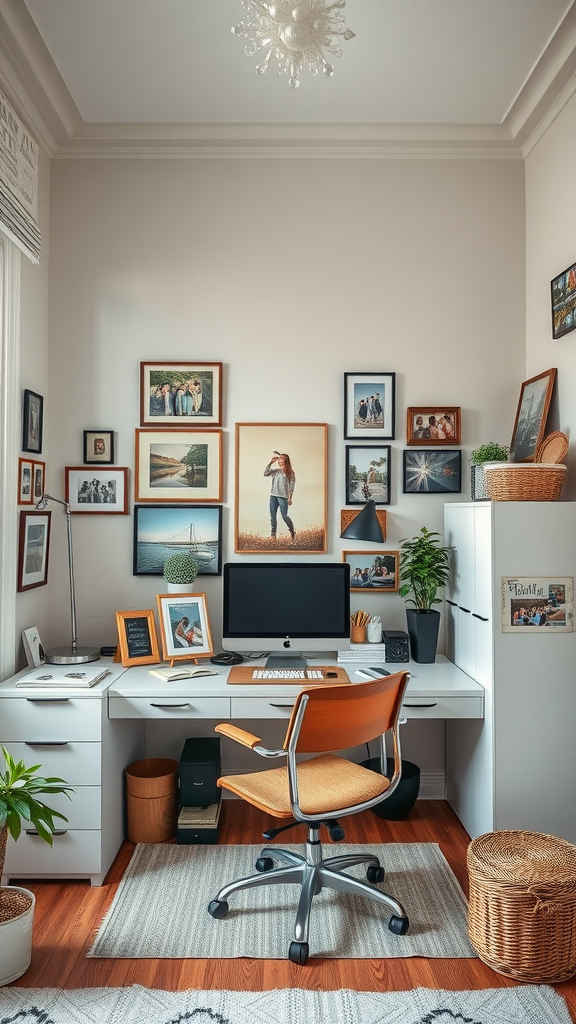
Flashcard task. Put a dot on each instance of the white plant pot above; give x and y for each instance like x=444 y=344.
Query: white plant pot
x=16 y=941
x=179 y=588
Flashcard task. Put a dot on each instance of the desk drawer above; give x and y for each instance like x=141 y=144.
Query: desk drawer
x=443 y=707
x=262 y=707
x=51 y=718
x=73 y=853
x=169 y=707
x=79 y=764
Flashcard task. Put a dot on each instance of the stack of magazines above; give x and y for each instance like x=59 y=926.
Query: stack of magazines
x=373 y=653
x=68 y=676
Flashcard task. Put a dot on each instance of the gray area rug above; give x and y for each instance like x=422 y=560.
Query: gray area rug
x=160 y=908
x=529 y=1004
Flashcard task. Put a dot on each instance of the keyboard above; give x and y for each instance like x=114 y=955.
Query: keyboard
x=287 y=673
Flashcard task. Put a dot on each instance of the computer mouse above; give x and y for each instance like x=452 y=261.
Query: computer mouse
x=332 y=675
x=227 y=658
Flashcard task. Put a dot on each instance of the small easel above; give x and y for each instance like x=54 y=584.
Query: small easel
x=187 y=657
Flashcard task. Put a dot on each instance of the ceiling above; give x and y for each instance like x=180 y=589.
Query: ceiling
x=459 y=69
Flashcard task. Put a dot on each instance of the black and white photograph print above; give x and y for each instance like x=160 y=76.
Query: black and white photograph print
x=367 y=474
x=430 y=472
x=369 y=406
x=25 y=481
x=97 y=491
x=531 y=416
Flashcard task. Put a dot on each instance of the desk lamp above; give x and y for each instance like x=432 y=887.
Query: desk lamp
x=72 y=654
x=365 y=526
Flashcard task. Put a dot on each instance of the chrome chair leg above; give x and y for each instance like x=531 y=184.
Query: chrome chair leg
x=348 y=859
x=302 y=923
x=278 y=853
x=346 y=883
x=278 y=876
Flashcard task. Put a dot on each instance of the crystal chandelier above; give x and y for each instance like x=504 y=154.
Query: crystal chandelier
x=295 y=32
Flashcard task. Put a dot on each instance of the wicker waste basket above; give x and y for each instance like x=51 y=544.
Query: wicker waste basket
x=152 y=799
x=522 y=905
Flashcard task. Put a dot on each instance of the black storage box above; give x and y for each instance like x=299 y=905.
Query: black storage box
x=198 y=824
x=199 y=770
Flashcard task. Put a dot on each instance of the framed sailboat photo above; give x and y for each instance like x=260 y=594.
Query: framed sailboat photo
x=162 y=530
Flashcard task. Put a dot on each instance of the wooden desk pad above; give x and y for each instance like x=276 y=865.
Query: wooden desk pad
x=243 y=674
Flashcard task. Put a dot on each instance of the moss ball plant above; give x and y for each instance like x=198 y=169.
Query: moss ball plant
x=180 y=568
x=491 y=452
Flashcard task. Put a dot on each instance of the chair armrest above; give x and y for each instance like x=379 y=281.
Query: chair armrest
x=247 y=739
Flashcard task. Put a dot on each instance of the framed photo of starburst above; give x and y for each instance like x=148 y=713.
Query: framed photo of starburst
x=429 y=472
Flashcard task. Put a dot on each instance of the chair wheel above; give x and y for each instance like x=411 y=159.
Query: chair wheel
x=218 y=909
x=298 y=952
x=375 y=874
x=398 y=925
x=264 y=864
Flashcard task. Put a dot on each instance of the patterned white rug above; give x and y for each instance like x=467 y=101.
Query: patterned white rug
x=160 y=908
x=527 y=1004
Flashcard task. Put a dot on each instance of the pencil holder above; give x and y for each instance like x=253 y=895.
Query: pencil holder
x=374 y=632
x=358 y=634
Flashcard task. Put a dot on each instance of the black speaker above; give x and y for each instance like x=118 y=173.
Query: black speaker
x=397 y=648
x=199 y=770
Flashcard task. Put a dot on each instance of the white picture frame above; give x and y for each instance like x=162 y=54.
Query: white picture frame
x=33 y=647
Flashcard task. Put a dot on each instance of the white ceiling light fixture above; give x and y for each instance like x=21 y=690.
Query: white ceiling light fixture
x=295 y=32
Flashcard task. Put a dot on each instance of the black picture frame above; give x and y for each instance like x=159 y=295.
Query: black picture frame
x=32 y=422
x=361 y=388
x=368 y=474
x=166 y=521
x=563 y=302
x=426 y=471
x=33 y=549
x=98 y=447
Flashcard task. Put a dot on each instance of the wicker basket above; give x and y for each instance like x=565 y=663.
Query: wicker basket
x=522 y=906
x=524 y=481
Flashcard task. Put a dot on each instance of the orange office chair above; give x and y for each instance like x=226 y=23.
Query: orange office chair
x=318 y=791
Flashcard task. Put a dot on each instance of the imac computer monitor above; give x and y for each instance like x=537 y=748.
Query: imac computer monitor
x=286 y=609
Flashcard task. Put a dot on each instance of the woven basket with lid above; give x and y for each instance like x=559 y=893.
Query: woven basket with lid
x=540 y=480
x=522 y=905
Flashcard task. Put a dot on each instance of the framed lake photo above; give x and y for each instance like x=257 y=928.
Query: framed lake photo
x=173 y=391
x=163 y=530
x=33 y=548
x=97 y=491
x=429 y=472
x=367 y=474
x=531 y=416
x=137 y=638
x=281 y=488
x=32 y=422
x=433 y=425
x=369 y=411
x=178 y=465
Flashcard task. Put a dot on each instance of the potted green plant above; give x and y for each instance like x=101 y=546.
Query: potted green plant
x=20 y=788
x=490 y=452
x=180 y=571
x=424 y=570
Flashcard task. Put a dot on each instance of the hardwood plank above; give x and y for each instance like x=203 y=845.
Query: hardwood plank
x=69 y=913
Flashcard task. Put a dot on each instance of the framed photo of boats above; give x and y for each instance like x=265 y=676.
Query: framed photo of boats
x=162 y=530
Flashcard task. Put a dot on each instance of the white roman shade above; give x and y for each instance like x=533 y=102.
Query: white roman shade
x=18 y=183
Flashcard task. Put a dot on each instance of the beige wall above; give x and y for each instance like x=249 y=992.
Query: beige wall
x=550 y=249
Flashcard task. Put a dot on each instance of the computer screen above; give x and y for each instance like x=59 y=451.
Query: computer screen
x=286 y=608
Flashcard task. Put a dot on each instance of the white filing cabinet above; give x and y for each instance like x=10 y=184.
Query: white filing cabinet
x=69 y=734
x=515 y=769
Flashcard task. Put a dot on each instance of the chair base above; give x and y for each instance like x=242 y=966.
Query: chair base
x=313 y=873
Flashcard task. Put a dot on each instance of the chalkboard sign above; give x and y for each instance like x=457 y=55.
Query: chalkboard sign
x=137 y=638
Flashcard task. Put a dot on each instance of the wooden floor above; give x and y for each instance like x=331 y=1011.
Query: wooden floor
x=69 y=913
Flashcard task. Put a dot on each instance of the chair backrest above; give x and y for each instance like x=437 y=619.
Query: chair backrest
x=346 y=715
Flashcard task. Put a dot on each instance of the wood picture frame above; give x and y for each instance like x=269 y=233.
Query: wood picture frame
x=368 y=474
x=432 y=472
x=433 y=424
x=373 y=570
x=185 y=392
x=348 y=515
x=162 y=530
x=38 y=480
x=184 y=627
x=281 y=506
x=178 y=465
x=531 y=416
x=32 y=422
x=33 y=549
x=137 y=638
x=369 y=406
x=25 y=482
x=98 y=447
x=97 y=491
x=563 y=302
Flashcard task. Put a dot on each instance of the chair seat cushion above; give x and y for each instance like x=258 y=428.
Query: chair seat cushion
x=325 y=783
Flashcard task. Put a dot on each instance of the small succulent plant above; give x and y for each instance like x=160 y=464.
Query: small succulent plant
x=491 y=452
x=180 y=568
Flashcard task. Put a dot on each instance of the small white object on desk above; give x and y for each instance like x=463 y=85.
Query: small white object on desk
x=168 y=674
x=50 y=676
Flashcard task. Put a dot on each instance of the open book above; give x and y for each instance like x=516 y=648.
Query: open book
x=185 y=672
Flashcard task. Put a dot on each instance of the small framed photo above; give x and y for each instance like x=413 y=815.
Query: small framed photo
x=369 y=406
x=137 y=638
x=97 y=491
x=25 y=482
x=373 y=570
x=33 y=549
x=189 y=392
x=428 y=472
x=367 y=474
x=38 y=479
x=531 y=416
x=185 y=627
x=33 y=648
x=433 y=425
x=537 y=604
x=98 y=447
x=32 y=422
x=178 y=465
x=563 y=296
x=163 y=530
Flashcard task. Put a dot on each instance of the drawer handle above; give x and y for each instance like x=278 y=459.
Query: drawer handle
x=48 y=743
x=48 y=700
x=467 y=610
x=186 y=705
x=482 y=618
x=453 y=603
x=281 y=705
x=57 y=832
x=433 y=705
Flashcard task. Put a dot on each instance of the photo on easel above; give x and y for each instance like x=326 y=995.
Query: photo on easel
x=185 y=627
